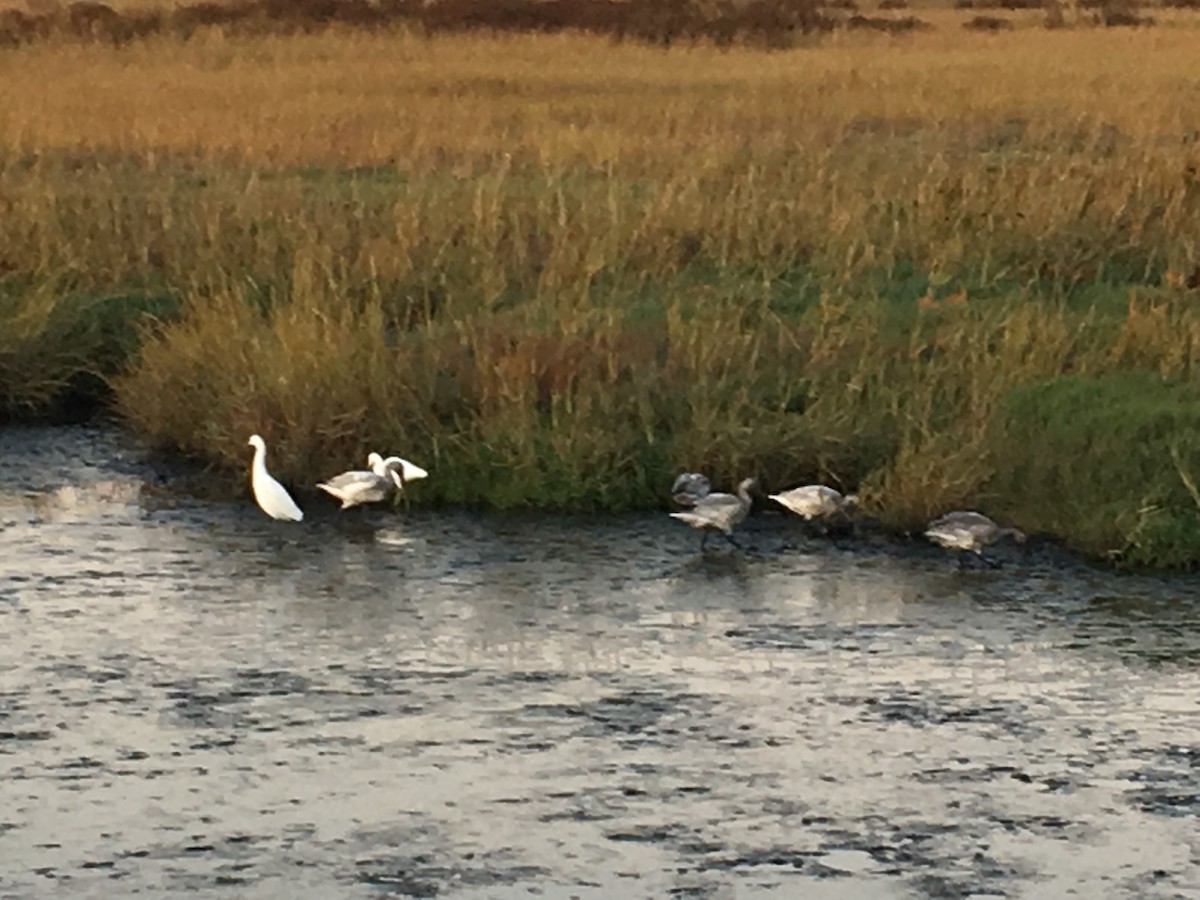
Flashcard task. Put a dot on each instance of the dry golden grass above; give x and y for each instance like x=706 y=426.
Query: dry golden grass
x=454 y=103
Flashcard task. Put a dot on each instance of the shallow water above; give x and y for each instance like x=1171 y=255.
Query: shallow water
x=197 y=700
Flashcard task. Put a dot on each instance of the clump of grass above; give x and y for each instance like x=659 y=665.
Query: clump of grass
x=988 y=23
x=58 y=346
x=287 y=370
x=901 y=25
x=573 y=406
x=1123 y=15
x=999 y=4
x=528 y=407
x=584 y=404
x=37 y=363
x=1109 y=461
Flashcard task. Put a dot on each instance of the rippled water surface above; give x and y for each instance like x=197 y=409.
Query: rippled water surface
x=197 y=700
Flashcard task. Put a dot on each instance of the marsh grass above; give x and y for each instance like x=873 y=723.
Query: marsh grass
x=58 y=346
x=555 y=271
x=1108 y=461
x=39 y=353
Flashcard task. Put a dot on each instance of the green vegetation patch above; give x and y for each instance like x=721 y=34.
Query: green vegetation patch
x=59 y=346
x=1110 y=461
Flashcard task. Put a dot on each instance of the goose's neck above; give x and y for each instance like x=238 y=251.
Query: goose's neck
x=260 y=459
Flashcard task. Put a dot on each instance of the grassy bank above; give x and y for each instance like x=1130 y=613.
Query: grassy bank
x=951 y=270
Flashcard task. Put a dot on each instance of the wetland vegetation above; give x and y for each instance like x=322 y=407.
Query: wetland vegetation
x=949 y=269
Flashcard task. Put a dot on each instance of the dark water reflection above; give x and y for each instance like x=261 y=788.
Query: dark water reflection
x=194 y=699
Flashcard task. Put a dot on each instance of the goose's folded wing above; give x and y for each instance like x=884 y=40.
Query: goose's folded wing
x=352 y=481
x=716 y=502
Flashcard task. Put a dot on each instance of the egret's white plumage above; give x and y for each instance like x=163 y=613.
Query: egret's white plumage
x=690 y=487
x=719 y=512
x=815 y=501
x=970 y=531
x=271 y=496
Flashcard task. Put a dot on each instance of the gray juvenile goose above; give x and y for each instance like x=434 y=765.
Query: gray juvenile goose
x=719 y=512
x=360 y=486
x=970 y=531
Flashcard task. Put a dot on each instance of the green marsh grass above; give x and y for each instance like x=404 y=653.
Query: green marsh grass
x=40 y=352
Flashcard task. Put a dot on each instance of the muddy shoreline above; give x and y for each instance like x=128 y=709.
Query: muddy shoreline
x=172 y=479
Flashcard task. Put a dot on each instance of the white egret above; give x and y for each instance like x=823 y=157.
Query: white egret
x=271 y=496
x=719 y=512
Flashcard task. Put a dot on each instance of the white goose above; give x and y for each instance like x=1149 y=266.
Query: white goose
x=271 y=496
